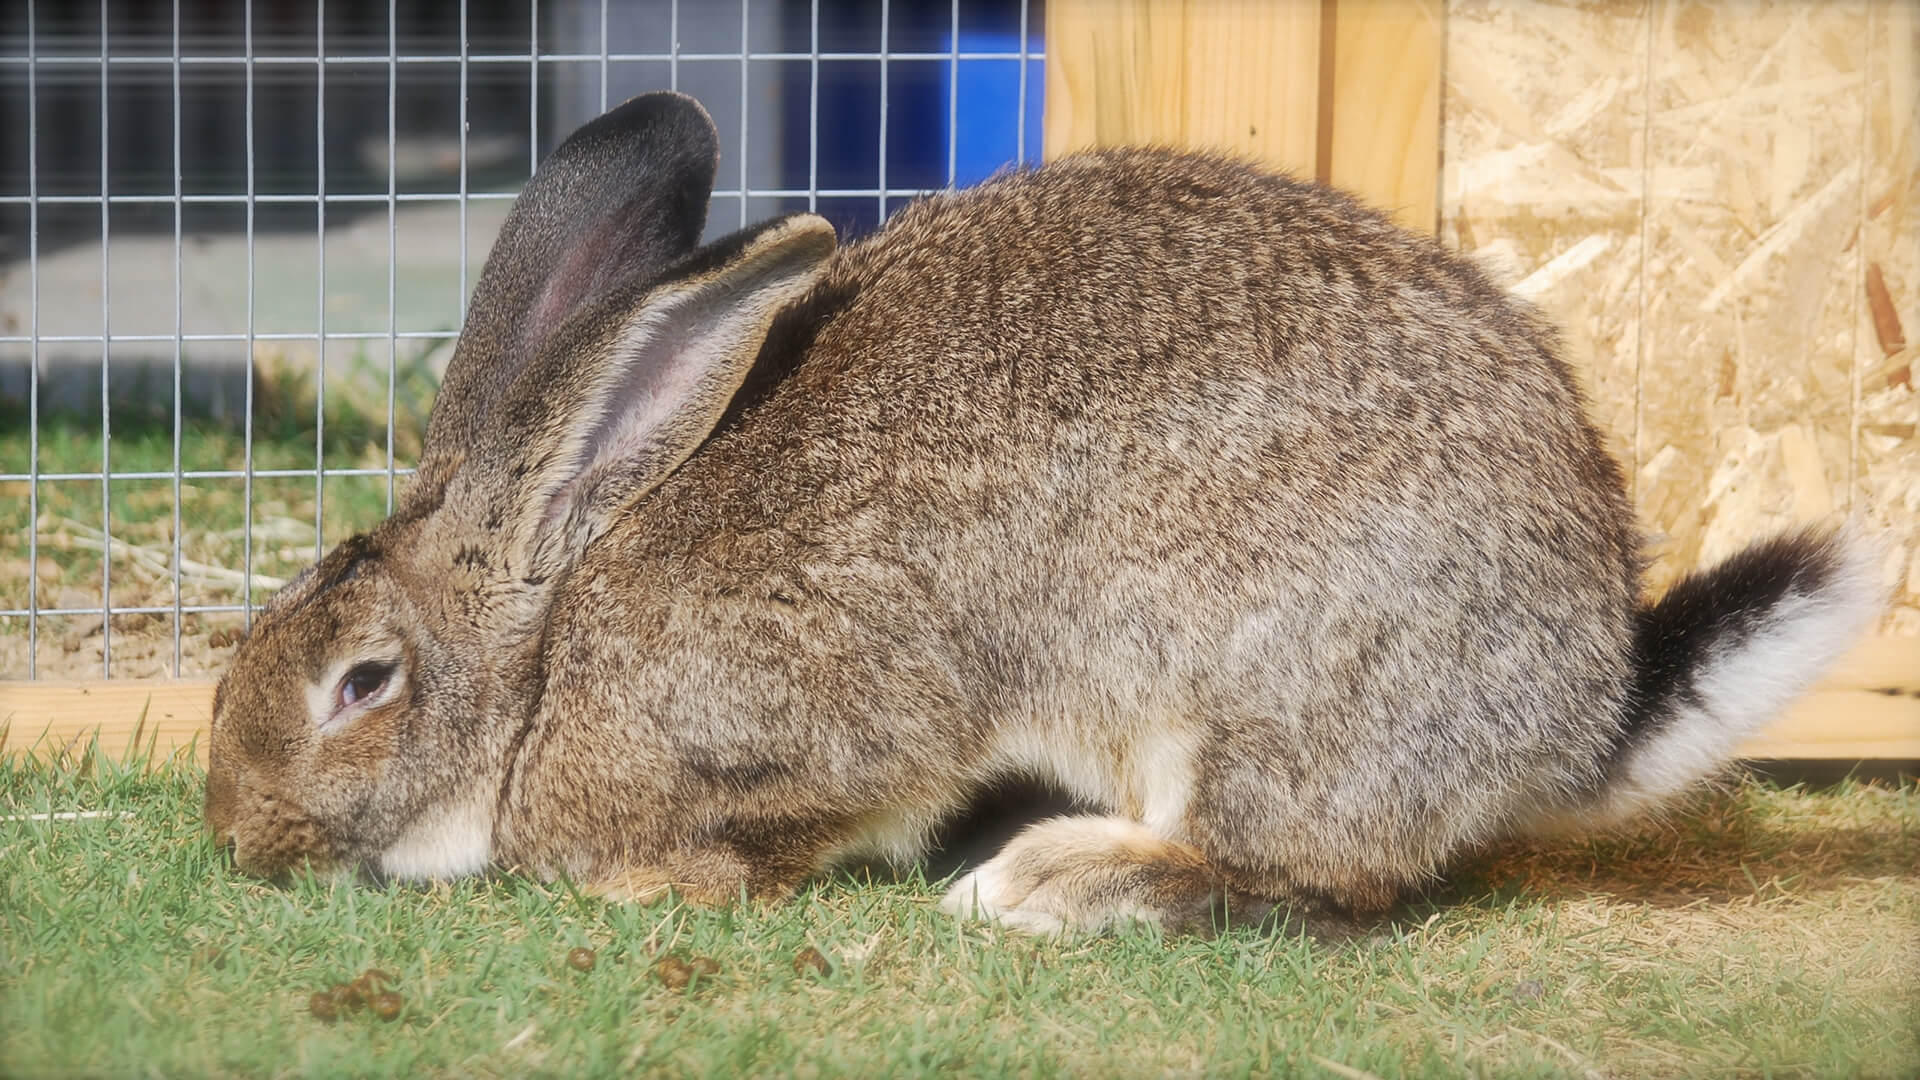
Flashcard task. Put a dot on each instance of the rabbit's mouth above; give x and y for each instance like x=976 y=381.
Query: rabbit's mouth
x=289 y=856
x=277 y=841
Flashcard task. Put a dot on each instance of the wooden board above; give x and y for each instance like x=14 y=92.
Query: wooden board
x=52 y=719
x=1239 y=76
x=1382 y=116
x=1347 y=91
x=1868 y=710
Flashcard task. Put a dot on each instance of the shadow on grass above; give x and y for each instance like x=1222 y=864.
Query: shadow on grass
x=1751 y=842
x=1754 y=841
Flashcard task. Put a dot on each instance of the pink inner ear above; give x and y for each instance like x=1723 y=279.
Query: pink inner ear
x=656 y=379
x=657 y=382
x=579 y=273
x=612 y=249
x=652 y=393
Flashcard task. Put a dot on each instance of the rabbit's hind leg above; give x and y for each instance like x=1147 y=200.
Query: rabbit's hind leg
x=1087 y=874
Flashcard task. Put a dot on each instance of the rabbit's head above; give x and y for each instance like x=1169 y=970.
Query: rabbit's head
x=369 y=717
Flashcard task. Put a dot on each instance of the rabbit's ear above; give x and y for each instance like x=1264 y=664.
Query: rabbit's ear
x=625 y=394
x=621 y=199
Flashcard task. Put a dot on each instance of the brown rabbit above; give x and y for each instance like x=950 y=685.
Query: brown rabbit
x=1274 y=534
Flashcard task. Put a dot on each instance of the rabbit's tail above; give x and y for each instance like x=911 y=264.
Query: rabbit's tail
x=1723 y=652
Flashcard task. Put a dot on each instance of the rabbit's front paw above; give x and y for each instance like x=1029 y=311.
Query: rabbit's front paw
x=1087 y=874
x=707 y=877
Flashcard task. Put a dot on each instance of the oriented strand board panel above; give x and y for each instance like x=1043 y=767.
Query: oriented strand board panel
x=1753 y=210
x=1384 y=109
x=1717 y=204
x=1545 y=111
x=1239 y=76
x=1886 y=473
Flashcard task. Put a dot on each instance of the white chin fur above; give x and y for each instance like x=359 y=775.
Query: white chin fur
x=985 y=894
x=446 y=842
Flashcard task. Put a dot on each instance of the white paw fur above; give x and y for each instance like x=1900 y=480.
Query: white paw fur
x=1074 y=874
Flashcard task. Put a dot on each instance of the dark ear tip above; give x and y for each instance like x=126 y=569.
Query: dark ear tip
x=671 y=115
x=661 y=126
x=669 y=101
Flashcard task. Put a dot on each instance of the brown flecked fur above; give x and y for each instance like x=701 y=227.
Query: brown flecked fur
x=1274 y=531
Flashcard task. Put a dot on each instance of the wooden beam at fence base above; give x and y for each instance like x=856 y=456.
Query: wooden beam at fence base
x=1382 y=111
x=1239 y=76
x=1869 y=710
x=50 y=720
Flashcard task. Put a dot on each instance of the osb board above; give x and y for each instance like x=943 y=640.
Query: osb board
x=1747 y=356
x=1239 y=76
x=1868 y=708
x=1716 y=201
x=1886 y=335
x=1543 y=118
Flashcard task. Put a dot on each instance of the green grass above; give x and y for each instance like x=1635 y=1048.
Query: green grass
x=1765 y=932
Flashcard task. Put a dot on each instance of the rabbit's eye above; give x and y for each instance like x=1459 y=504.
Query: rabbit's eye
x=364 y=681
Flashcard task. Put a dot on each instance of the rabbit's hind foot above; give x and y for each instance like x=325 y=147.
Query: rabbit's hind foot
x=1086 y=874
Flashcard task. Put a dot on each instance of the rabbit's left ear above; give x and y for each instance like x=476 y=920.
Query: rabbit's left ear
x=605 y=412
x=619 y=201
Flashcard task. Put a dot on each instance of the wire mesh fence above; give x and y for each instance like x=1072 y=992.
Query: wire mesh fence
x=236 y=240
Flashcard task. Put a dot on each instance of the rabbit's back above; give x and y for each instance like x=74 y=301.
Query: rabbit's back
x=1200 y=490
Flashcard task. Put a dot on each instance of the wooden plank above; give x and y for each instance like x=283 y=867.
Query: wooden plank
x=1246 y=78
x=1851 y=725
x=49 y=719
x=1869 y=709
x=1237 y=76
x=1383 y=142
